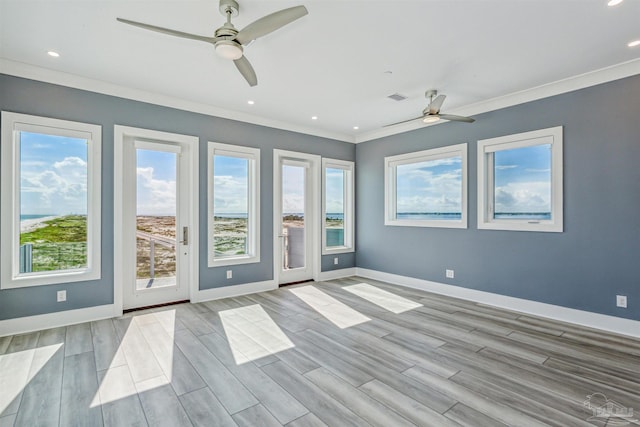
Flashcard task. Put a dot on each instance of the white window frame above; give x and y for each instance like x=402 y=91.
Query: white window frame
x=12 y=124
x=487 y=147
x=390 y=198
x=253 y=220
x=349 y=206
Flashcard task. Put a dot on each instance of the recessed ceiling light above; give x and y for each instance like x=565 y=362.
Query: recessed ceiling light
x=314 y=118
x=54 y=54
x=356 y=128
x=634 y=43
x=614 y=2
x=250 y=102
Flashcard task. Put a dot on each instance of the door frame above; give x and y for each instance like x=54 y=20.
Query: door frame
x=123 y=134
x=314 y=224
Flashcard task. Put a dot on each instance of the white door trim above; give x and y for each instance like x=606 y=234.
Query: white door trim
x=122 y=133
x=314 y=224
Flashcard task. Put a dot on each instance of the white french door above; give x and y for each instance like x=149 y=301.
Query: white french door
x=296 y=216
x=154 y=253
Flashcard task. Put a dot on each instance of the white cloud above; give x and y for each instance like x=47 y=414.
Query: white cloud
x=538 y=170
x=230 y=194
x=504 y=167
x=523 y=197
x=155 y=196
x=60 y=191
x=420 y=190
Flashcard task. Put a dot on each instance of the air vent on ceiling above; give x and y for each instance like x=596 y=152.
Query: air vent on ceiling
x=397 y=97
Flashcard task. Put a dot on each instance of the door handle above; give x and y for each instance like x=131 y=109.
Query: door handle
x=185 y=236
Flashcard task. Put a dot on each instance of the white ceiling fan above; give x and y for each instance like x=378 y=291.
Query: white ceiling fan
x=228 y=41
x=432 y=114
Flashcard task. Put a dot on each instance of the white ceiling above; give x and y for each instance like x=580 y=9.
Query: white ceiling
x=331 y=63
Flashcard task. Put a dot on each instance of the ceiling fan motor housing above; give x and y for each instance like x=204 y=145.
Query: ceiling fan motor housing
x=229 y=6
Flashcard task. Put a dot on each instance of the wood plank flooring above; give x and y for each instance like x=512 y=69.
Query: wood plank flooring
x=349 y=352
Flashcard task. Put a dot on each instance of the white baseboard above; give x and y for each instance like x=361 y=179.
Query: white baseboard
x=337 y=274
x=234 y=291
x=604 y=322
x=23 y=325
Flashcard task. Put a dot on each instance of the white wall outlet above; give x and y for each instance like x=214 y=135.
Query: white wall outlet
x=61 y=296
x=229 y=274
x=621 y=301
x=449 y=274
x=335 y=261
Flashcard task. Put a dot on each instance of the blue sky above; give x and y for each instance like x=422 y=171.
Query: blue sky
x=53 y=175
x=231 y=191
x=430 y=186
x=156 y=186
x=334 y=185
x=293 y=189
x=522 y=179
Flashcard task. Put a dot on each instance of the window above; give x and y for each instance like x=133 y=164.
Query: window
x=427 y=188
x=337 y=206
x=520 y=181
x=234 y=205
x=51 y=192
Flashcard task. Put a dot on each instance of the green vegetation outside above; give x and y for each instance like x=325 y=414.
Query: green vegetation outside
x=60 y=245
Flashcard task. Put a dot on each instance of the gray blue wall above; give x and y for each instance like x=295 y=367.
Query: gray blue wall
x=43 y=99
x=597 y=255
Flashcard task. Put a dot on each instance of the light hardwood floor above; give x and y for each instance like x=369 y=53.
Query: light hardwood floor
x=338 y=353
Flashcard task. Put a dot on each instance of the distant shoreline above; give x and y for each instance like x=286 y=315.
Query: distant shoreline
x=31 y=224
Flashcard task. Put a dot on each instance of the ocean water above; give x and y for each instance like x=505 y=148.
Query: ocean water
x=429 y=215
x=522 y=215
x=32 y=216
x=231 y=215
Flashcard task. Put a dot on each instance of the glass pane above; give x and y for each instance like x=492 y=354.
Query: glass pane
x=430 y=190
x=523 y=183
x=156 y=218
x=53 y=202
x=230 y=206
x=334 y=204
x=293 y=185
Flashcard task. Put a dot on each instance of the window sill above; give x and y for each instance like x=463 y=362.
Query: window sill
x=36 y=279
x=337 y=250
x=427 y=224
x=540 y=226
x=222 y=262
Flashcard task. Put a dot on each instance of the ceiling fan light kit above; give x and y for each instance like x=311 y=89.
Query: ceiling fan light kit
x=228 y=49
x=432 y=114
x=228 y=41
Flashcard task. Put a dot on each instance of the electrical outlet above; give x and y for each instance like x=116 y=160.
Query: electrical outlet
x=621 y=301
x=449 y=274
x=335 y=261
x=61 y=296
x=229 y=274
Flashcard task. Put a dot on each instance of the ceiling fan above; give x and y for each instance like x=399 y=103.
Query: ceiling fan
x=228 y=41
x=432 y=114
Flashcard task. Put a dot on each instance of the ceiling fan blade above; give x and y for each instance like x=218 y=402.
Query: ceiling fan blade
x=454 y=118
x=244 y=66
x=404 y=121
x=270 y=23
x=168 y=31
x=434 y=106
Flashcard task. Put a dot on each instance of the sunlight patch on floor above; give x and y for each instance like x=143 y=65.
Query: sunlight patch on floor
x=19 y=368
x=252 y=334
x=336 y=312
x=380 y=297
x=147 y=335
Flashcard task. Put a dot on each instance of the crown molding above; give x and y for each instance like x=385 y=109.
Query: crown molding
x=32 y=72
x=592 y=78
